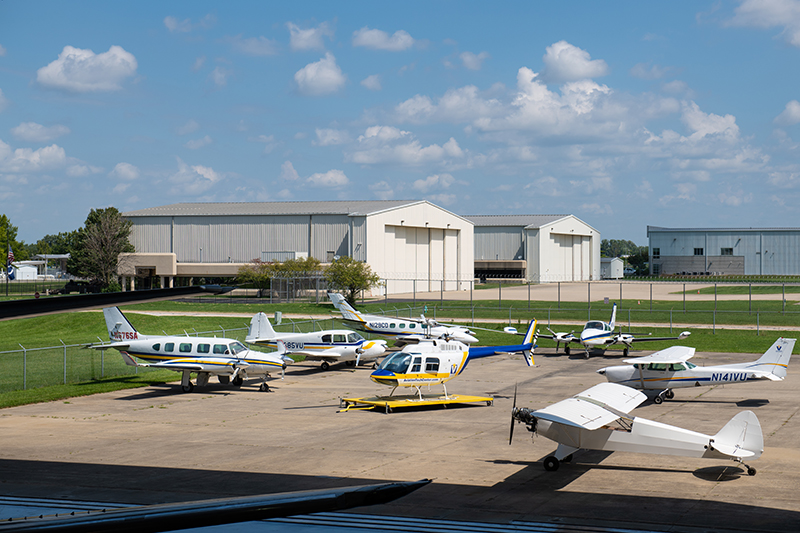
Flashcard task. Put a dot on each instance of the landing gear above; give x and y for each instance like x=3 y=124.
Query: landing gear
x=237 y=381
x=566 y=349
x=586 y=354
x=188 y=388
x=625 y=352
x=224 y=379
x=350 y=363
x=751 y=471
x=325 y=365
x=669 y=394
x=658 y=400
x=186 y=381
x=264 y=387
x=551 y=464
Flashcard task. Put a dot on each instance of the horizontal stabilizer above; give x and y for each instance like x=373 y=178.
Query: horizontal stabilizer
x=741 y=437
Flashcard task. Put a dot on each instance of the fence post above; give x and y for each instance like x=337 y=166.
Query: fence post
x=24 y=367
x=651 y=298
x=559 y=295
x=684 y=297
x=223 y=330
x=670 y=321
x=509 y=316
x=750 y=298
x=783 y=299
x=102 y=364
x=65 y=361
x=473 y=315
x=386 y=292
x=758 y=323
x=714 y=324
x=415 y=293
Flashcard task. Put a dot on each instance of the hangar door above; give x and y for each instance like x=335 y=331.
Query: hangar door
x=572 y=257
x=425 y=256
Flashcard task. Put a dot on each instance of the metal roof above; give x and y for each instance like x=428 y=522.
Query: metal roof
x=740 y=230
x=344 y=207
x=527 y=221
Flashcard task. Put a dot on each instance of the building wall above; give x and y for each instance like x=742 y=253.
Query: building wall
x=499 y=242
x=568 y=250
x=756 y=252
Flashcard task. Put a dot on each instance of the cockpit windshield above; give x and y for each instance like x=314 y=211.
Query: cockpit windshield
x=397 y=363
x=354 y=337
x=237 y=347
x=595 y=324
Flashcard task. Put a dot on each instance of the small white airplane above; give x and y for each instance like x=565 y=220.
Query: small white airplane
x=599 y=335
x=228 y=359
x=597 y=419
x=670 y=369
x=401 y=328
x=329 y=346
x=432 y=361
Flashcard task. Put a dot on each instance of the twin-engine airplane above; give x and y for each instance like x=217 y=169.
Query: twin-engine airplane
x=670 y=369
x=400 y=328
x=597 y=419
x=228 y=359
x=329 y=346
x=436 y=361
x=599 y=335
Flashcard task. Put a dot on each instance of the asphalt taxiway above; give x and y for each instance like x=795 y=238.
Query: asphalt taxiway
x=157 y=444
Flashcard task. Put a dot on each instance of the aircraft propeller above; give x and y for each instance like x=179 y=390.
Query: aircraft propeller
x=522 y=414
x=513 y=412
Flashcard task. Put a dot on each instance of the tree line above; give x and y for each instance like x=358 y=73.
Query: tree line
x=635 y=256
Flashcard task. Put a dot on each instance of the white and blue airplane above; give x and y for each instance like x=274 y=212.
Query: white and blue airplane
x=329 y=346
x=399 y=328
x=431 y=361
x=228 y=359
x=670 y=368
x=599 y=335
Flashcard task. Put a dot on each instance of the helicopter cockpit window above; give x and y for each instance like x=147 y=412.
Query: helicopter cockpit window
x=397 y=363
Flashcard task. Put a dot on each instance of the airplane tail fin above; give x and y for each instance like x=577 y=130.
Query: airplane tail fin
x=340 y=303
x=119 y=328
x=260 y=328
x=741 y=437
x=613 y=317
x=776 y=359
x=530 y=338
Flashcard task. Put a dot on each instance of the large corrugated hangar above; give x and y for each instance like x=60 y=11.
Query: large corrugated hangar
x=720 y=251
x=415 y=245
x=537 y=248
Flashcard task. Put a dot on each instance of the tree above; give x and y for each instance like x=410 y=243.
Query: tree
x=99 y=244
x=260 y=273
x=617 y=248
x=8 y=236
x=639 y=260
x=351 y=276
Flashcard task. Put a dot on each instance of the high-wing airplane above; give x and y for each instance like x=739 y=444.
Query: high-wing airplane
x=597 y=419
x=670 y=369
x=399 y=327
x=228 y=359
x=599 y=335
x=432 y=361
x=328 y=346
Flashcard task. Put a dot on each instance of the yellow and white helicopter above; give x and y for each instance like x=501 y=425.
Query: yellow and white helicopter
x=433 y=361
x=329 y=346
x=228 y=359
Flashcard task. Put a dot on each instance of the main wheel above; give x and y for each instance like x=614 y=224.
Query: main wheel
x=188 y=388
x=350 y=363
x=670 y=394
x=264 y=387
x=625 y=352
x=325 y=365
x=237 y=381
x=586 y=355
x=566 y=350
x=751 y=471
x=551 y=464
x=658 y=399
x=224 y=379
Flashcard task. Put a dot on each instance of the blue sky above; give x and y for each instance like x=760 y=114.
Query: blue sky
x=625 y=114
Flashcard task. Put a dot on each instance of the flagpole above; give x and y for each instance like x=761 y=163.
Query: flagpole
x=8 y=245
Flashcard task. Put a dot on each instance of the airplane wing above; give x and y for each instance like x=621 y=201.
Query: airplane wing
x=673 y=354
x=593 y=408
x=115 y=345
x=317 y=355
x=627 y=338
x=212 y=365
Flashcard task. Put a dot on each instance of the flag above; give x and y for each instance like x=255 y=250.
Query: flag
x=10 y=256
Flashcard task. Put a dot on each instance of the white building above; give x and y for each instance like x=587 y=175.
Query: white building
x=537 y=248
x=611 y=268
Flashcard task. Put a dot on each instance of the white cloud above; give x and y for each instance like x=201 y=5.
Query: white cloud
x=33 y=132
x=706 y=124
x=2 y=50
x=597 y=209
x=331 y=137
x=28 y=160
x=380 y=40
x=472 y=61
x=219 y=76
x=199 y=63
x=82 y=71
x=190 y=127
x=196 y=144
x=442 y=199
x=417 y=108
x=185 y=26
x=566 y=62
x=194 y=179
x=254 y=46
x=288 y=173
x=268 y=141
x=382 y=134
x=790 y=115
x=124 y=171
x=373 y=82
x=332 y=178
x=320 y=78
x=766 y=14
x=647 y=71
x=676 y=87
x=3 y=101
x=308 y=38
x=76 y=171
x=382 y=190
x=378 y=146
x=436 y=181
